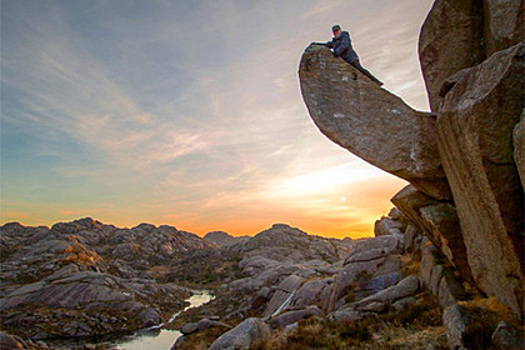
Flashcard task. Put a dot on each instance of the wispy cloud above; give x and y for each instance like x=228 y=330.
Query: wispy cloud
x=322 y=6
x=69 y=90
x=14 y=215
x=188 y=113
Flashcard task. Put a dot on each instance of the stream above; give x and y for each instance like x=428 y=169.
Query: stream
x=158 y=338
x=153 y=338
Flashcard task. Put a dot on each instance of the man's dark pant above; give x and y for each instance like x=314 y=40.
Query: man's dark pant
x=358 y=65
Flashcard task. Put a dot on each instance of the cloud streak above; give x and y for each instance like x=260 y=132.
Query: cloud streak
x=189 y=113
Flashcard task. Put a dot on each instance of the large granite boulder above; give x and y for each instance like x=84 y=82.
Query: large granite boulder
x=283 y=295
x=312 y=292
x=246 y=334
x=449 y=42
x=370 y=122
x=439 y=221
x=475 y=127
x=503 y=24
x=458 y=34
x=472 y=56
x=293 y=316
x=365 y=259
x=407 y=287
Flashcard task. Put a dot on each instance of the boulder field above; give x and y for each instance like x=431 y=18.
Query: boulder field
x=85 y=278
x=276 y=281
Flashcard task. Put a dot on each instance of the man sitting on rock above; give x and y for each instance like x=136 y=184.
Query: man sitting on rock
x=342 y=47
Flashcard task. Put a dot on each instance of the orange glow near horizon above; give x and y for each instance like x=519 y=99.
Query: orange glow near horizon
x=142 y=126
x=347 y=210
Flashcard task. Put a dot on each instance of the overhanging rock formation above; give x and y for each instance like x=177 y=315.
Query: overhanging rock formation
x=472 y=54
x=370 y=122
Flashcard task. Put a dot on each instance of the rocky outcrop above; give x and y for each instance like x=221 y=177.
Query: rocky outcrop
x=449 y=42
x=503 y=24
x=223 y=239
x=461 y=34
x=293 y=316
x=85 y=278
x=439 y=221
x=283 y=295
x=371 y=122
x=472 y=61
x=285 y=268
x=380 y=300
x=284 y=243
x=472 y=56
x=475 y=125
x=366 y=258
x=248 y=333
x=368 y=281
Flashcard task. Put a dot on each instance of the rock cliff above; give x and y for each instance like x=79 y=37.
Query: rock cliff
x=464 y=161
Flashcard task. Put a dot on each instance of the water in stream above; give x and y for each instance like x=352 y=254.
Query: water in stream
x=154 y=338
x=158 y=338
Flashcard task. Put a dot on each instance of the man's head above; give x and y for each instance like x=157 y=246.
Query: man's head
x=336 y=30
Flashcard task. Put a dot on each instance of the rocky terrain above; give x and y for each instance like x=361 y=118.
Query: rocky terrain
x=394 y=291
x=282 y=288
x=444 y=270
x=222 y=239
x=85 y=278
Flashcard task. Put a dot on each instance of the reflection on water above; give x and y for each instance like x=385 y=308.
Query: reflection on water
x=161 y=339
x=157 y=338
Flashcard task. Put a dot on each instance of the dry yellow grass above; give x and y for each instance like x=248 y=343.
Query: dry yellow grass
x=491 y=309
x=414 y=329
x=378 y=336
x=410 y=264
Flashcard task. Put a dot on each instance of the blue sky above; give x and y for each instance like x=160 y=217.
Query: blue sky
x=189 y=112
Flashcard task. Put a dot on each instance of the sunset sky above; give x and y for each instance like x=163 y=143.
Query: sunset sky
x=189 y=112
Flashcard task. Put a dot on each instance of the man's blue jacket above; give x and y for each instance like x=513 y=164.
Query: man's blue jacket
x=342 y=47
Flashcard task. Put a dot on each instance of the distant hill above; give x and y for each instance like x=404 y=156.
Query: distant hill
x=222 y=238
